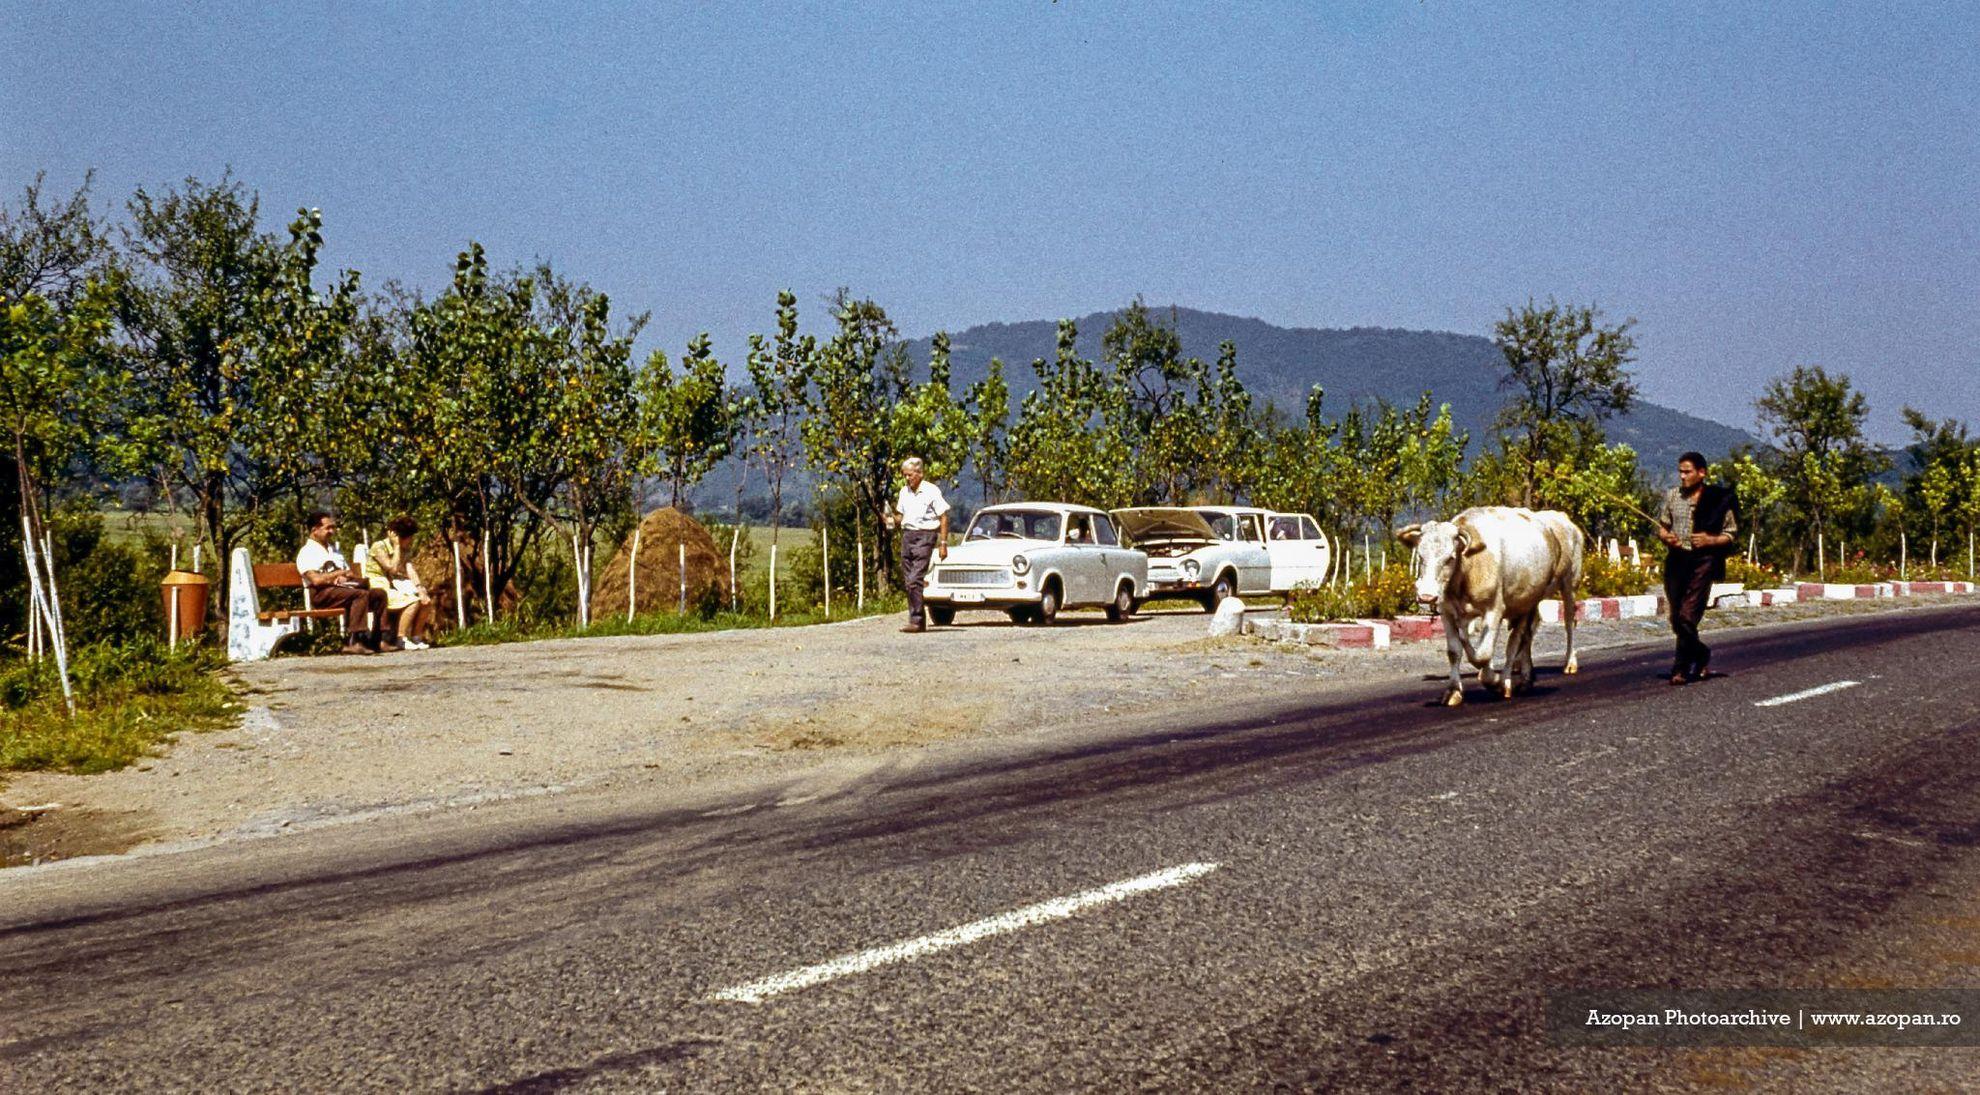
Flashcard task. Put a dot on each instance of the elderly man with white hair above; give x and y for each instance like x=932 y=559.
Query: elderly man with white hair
x=924 y=518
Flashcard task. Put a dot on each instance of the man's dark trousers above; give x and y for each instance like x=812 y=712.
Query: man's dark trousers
x=1688 y=577
x=361 y=606
x=917 y=548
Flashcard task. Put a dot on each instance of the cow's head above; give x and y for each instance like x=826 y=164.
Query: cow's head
x=1440 y=548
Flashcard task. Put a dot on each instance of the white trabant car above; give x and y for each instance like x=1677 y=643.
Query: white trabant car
x=1032 y=559
x=1208 y=553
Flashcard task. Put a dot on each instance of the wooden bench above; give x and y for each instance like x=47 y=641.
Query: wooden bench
x=286 y=576
x=251 y=632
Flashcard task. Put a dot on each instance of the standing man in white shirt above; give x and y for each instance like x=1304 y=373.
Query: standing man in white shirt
x=335 y=583
x=924 y=517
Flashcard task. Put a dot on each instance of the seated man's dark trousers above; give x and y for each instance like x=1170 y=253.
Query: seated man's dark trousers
x=1688 y=577
x=361 y=606
x=917 y=548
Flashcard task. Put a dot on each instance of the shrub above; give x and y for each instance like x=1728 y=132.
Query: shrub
x=1602 y=578
x=1384 y=595
x=1753 y=575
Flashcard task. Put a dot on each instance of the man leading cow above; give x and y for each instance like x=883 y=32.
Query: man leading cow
x=1699 y=524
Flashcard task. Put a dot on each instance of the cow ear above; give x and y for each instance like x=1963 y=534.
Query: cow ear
x=1410 y=534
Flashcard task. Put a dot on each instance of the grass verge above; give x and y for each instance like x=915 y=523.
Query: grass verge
x=661 y=623
x=129 y=700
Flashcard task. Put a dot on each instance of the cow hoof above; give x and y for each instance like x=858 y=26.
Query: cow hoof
x=1506 y=690
x=1454 y=698
x=1571 y=668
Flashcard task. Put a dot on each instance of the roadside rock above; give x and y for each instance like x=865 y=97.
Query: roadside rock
x=1228 y=620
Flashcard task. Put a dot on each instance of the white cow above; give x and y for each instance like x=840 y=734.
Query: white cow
x=1486 y=571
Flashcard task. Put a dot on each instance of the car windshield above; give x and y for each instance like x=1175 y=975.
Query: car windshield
x=1015 y=524
x=1223 y=525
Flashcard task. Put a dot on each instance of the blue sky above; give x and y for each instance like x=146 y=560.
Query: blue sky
x=1759 y=185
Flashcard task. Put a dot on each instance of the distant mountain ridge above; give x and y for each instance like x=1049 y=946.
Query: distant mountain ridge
x=1357 y=364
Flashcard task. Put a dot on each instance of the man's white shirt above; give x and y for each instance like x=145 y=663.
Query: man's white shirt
x=314 y=557
x=922 y=509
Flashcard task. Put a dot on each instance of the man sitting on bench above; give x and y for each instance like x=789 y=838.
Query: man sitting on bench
x=335 y=583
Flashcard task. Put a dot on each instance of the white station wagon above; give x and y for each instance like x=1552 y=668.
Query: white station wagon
x=1032 y=559
x=1208 y=553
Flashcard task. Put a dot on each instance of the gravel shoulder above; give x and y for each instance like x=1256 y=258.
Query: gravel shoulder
x=330 y=739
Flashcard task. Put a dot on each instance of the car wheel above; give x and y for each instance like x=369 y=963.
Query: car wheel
x=1124 y=604
x=1048 y=605
x=941 y=616
x=1223 y=588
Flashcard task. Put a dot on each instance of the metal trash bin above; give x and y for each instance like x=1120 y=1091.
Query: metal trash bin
x=185 y=591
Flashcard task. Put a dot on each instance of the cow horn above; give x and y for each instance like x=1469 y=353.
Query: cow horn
x=1469 y=542
x=1410 y=534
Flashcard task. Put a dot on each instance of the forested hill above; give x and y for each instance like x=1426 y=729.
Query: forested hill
x=1281 y=364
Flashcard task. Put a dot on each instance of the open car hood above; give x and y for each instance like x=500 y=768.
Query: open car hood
x=1164 y=523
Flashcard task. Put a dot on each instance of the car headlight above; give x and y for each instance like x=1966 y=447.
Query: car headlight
x=1020 y=564
x=1191 y=568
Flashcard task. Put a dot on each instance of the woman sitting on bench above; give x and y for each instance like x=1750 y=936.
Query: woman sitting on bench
x=388 y=566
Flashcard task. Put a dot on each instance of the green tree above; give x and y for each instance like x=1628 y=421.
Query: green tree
x=586 y=414
x=231 y=349
x=1070 y=441
x=687 y=424
x=1815 y=423
x=780 y=375
x=1568 y=373
x=990 y=403
x=54 y=394
x=53 y=254
x=1937 y=453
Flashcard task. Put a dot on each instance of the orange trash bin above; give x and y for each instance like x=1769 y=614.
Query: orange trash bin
x=188 y=591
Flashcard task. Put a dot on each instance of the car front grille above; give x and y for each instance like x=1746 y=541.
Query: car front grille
x=958 y=576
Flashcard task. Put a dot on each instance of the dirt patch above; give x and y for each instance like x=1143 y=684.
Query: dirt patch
x=42 y=836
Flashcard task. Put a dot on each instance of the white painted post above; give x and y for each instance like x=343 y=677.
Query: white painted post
x=487 y=577
x=34 y=605
x=1367 y=556
x=860 y=597
x=174 y=564
x=172 y=624
x=460 y=602
x=1904 y=558
x=735 y=595
x=632 y=575
x=1821 y=559
x=57 y=632
x=825 y=566
x=1969 y=555
x=773 y=579
x=682 y=548
x=1752 y=545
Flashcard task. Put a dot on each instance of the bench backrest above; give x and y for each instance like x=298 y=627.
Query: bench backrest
x=277 y=576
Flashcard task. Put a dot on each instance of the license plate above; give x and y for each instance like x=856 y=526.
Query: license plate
x=966 y=597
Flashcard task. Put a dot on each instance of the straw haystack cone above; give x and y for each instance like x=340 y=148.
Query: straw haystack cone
x=661 y=536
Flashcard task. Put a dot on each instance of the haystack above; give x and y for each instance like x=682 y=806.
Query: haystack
x=661 y=536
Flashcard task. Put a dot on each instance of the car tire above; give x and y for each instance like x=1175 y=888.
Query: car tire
x=1223 y=587
x=1048 y=604
x=941 y=616
x=1124 y=604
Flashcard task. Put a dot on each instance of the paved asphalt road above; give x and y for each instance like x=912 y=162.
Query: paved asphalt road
x=1397 y=887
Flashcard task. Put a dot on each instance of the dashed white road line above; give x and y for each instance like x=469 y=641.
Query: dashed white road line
x=1058 y=909
x=1807 y=693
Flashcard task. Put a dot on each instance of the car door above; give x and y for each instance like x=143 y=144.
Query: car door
x=1083 y=561
x=1254 y=561
x=1112 y=556
x=1298 y=552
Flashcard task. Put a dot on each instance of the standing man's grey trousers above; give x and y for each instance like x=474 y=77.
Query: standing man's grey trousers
x=917 y=548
